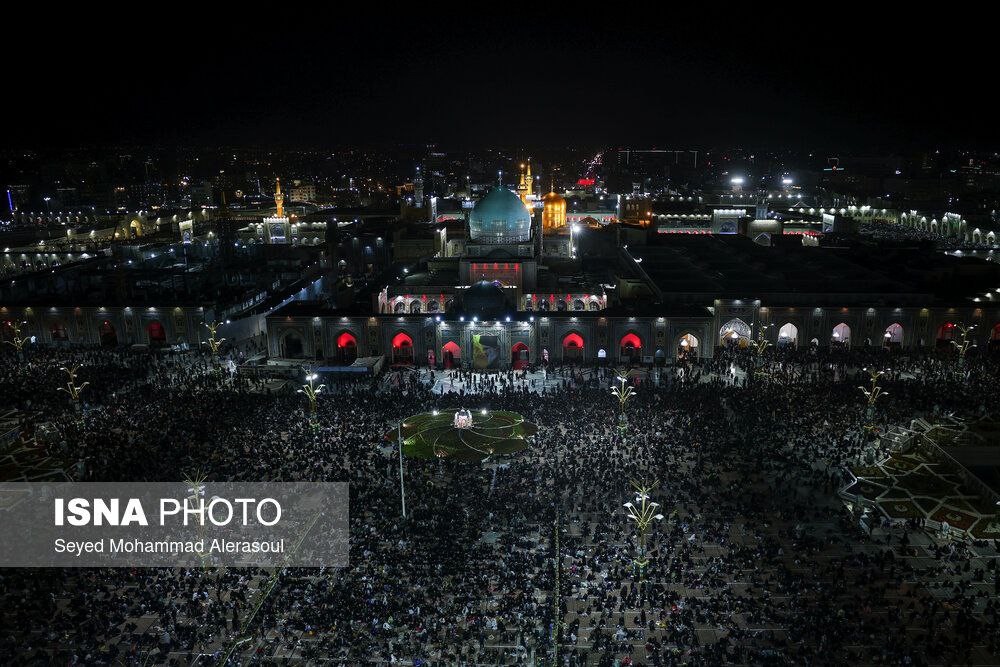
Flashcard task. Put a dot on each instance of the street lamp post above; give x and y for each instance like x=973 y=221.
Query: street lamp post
x=312 y=393
x=72 y=388
x=966 y=343
x=759 y=347
x=17 y=341
x=872 y=394
x=623 y=393
x=643 y=512
x=213 y=343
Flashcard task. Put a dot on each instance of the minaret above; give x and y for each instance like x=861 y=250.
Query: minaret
x=279 y=199
x=278 y=229
x=525 y=188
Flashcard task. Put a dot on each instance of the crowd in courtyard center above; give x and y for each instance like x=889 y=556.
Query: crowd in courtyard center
x=529 y=559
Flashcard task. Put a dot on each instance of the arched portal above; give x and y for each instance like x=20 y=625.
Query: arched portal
x=347 y=348
x=58 y=332
x=292 y=346
x=157 y=334
x=893 y=335
x=735 y=332
x=572 y=348
x=519 y=355
x=451 y=355
x=687 y=347
x=402 y=349
x=788 y=334
x=630 y=348
x=946 y=335
x=109 y=337
x=841 y=335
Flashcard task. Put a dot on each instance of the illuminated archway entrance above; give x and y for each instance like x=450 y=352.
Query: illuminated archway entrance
x=687 y=347
x=841 y=336
x=402 y=349
x=109 y=337
x=947 y=335
x=451 y=355
x=893 y=336
x=788 y=334
x=519 y=356
x=630 y=349
x=157 y=334
x=347 y=348
x=572 y=348
x=735 y=332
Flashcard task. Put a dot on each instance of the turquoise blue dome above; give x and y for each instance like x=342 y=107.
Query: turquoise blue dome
x=500 y=217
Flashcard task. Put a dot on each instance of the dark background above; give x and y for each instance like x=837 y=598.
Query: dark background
x=801 y=77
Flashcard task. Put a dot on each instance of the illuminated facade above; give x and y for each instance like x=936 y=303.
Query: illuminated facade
x=278 y=228
x=525 y=188
x=553 y=211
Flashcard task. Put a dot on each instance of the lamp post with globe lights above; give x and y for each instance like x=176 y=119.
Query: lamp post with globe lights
x=623 y=393
x=966 y=343
x=72 y=388
x=16 y=341
x=759 y=347
x=872 y=394
x=213 y=343
x=312 y=392
x=643 y=513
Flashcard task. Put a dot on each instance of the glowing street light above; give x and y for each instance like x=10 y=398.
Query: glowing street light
x=311 y=392
x=72 y=388
x=624 y=394
x=643 y=512
x=214 y=343
x=964 y=346
x=17 y=340
x=872 y=395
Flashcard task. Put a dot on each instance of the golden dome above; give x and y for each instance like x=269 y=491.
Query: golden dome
x=553 y=198
x=553 y=211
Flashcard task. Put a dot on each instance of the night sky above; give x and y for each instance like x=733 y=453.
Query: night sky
x=318 y=79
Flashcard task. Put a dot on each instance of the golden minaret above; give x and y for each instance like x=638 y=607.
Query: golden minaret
x=279 y=200
x=525 y=188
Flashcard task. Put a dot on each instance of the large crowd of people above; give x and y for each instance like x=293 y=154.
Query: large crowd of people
x=530 y=559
